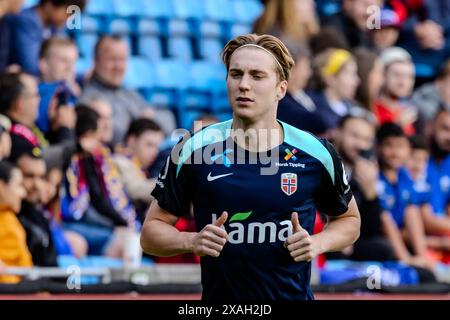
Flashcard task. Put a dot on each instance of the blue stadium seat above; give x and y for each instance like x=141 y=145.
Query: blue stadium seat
x=225 y=115
x=90 y=24
x=180 y=48
x=210 y=29
x=246 y=11
x=30 y=3
x=120 y=26
x=157 y=9
x=218 y=10
x=192 y=9
x=140 y=74
x=179 y=28
x=83 y=65
x=86 y=44
x=186 y=118
x=327 y=8
x=170 y=81
x=210 y=49
x=100 y=7
x=130 y=8
x=240 y=29
x=148 y=27
x=150 y=47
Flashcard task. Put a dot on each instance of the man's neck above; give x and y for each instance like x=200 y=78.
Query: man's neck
x=257 y=136
x=42 y=15
x=391 y=174
x=390 y=101
x=331 y=95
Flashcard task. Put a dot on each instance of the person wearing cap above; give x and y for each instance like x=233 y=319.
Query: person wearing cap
x=393 y=104
x=387 y=35
x=254 y=220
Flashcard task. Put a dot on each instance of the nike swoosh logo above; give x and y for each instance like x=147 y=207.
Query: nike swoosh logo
x=212 y=178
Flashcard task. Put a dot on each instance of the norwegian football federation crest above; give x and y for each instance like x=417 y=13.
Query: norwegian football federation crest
x=289 y=183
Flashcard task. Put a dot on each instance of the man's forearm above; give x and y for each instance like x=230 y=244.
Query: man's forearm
x=161 y=239
x=340 y=232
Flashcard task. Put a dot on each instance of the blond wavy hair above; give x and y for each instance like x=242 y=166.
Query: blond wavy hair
x=268 y=42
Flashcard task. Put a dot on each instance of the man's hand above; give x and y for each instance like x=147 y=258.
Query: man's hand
x=300 y=243
x=211 y=239
x=366 y=174
x=430 y=35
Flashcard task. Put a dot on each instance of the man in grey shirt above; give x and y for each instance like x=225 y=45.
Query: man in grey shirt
x=111 y=58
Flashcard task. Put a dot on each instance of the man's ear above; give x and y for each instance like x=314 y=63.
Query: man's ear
x=43 y=66
x=282 y=89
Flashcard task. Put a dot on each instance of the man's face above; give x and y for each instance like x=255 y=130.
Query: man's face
x=60 y=63
x=399 y=80
x=146 y=147
x=58 y=15
x=357 y=10
x=385 y=37
x=394 y=152
x=105 y=123
x=13 y=192
x=31 y=99
x=355 y=136
x=441 y=131
x=111 y=63
x=417 y=162
x=300 y=74
x=14 y=6
x=253 y=86
x=33 y=171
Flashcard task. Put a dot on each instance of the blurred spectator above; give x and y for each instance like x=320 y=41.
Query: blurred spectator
x=66 y=242
x=334 y=82
x=425 y=34
x=371 y=74
x=32 y=26
x=96 y=203
x=327 y=38
x=355 y=143
x=141 y=148
x=111 y=58
x=19 y=100
x=387 y=35
x=105 y=125
x=393 y=104
x=436 y=219
x=293 y=21
x=401 y=217
x=204 y=121
x=5 y=138
x=432 y=96
x=297 y=108
x=57 y=62
x=352 y=21
x=13 y=246
x=32 y=216
x=6 y=7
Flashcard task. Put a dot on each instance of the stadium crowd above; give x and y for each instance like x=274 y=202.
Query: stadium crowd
x=80 y=153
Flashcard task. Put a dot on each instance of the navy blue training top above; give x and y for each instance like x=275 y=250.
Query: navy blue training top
x=210 y=171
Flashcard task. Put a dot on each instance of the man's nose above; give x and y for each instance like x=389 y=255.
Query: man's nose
x=244 y=84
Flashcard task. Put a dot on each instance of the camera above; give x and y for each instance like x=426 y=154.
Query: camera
x=367 y=154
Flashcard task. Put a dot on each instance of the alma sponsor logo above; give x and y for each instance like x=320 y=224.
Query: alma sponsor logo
x=255 y=232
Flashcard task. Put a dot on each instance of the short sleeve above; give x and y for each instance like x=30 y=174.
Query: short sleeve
x=333 y=197
x=172 y=185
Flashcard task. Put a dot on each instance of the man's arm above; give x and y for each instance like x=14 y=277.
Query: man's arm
x=339 y=233
x=159 y=237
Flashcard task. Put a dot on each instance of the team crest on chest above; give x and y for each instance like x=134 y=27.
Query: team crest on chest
x=289 y=183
